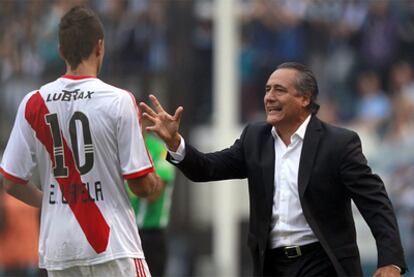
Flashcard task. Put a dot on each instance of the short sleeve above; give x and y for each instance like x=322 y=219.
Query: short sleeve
x=133 y=155
x=19 y=156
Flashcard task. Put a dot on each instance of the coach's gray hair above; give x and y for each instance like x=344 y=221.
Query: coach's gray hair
x=305 y=83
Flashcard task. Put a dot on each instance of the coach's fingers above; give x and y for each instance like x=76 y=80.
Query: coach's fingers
x=156 y=103
x=178 y=113
x=147 y=109
x=153 y=128
x=149 y=117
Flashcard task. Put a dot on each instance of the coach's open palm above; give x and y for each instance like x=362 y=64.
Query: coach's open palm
x=163 y=124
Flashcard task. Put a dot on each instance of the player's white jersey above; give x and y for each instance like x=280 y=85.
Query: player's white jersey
x=84 y=137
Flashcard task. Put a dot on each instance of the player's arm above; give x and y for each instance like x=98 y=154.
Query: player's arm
x=2 y=207
x=27 y=193
x=157 y=193
x=146 y=186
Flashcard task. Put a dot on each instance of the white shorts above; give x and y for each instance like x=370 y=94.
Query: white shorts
x=128 y=267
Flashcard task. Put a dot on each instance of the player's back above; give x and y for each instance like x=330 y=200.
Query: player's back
x=88 y=140
x=83 y=112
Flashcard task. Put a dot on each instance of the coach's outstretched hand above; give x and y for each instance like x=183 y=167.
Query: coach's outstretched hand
x=163 y=124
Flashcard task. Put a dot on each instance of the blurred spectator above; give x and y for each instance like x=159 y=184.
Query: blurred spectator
x=46 y=38
x=115 y=19
x=273 y=32
x=398 y=129
x=202 y=42
x=402 y=80
x=373 y=105
x=405 y=12
x=379 y=41
x=339 y=59
x=10 y=58
x=18 y=238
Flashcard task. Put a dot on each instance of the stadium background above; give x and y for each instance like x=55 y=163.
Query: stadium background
x=361 y=52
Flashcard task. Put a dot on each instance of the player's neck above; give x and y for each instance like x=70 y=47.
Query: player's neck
x=83 y=69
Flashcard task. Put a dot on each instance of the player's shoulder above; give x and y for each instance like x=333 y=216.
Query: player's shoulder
x=52 y=86
x=118 y=92
x=108 y=86
x=28 y=96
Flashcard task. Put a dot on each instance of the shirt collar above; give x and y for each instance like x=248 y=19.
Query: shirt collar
x=77 y=77
x=300 y=132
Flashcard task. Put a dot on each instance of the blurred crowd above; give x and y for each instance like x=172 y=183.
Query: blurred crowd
x=360 y=50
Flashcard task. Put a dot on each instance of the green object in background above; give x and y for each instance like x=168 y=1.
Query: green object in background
x=155 y=215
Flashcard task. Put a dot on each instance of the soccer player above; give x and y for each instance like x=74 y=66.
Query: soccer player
x=84 y=137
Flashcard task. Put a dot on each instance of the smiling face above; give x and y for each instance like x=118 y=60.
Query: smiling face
x=285 y=107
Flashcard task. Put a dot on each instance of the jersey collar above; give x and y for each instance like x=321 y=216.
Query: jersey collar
x=75 y=77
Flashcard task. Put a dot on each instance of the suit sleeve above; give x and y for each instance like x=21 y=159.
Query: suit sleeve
x=368 y=193
x=226 y=164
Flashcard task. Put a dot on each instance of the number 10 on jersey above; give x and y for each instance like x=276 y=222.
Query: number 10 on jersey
x=60 y=169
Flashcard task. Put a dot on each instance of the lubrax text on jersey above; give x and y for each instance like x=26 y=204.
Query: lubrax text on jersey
x=69 y=95
x=76 y=193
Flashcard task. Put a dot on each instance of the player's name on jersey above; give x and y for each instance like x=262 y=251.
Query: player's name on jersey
x=69 y=95
x=75 y=193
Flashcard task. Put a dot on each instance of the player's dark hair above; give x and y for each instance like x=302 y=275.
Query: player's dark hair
x=80 y=29
x=305 y=83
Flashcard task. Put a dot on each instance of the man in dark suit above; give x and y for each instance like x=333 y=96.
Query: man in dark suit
x=302 y=175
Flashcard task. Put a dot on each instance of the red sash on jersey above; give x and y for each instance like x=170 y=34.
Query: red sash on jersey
x=88 y=215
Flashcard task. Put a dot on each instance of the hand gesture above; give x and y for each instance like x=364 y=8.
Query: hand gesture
x=163 y=124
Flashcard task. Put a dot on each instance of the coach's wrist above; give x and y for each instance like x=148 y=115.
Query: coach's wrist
x=174 y=143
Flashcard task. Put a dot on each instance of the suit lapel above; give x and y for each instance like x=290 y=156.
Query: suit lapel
x=268 y=166
x=309 y=149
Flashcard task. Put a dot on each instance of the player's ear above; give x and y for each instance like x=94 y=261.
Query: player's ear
x=100 y=47
x=61 y=53
x=62 y=56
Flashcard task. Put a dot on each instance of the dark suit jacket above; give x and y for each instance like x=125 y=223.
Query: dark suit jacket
x=332 y=171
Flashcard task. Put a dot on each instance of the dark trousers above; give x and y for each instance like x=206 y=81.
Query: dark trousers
x=155 y=250
x=313 y=262
x=30 y=271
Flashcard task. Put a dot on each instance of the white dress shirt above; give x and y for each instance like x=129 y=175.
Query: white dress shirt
x=179 y=155
x=288 y=225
